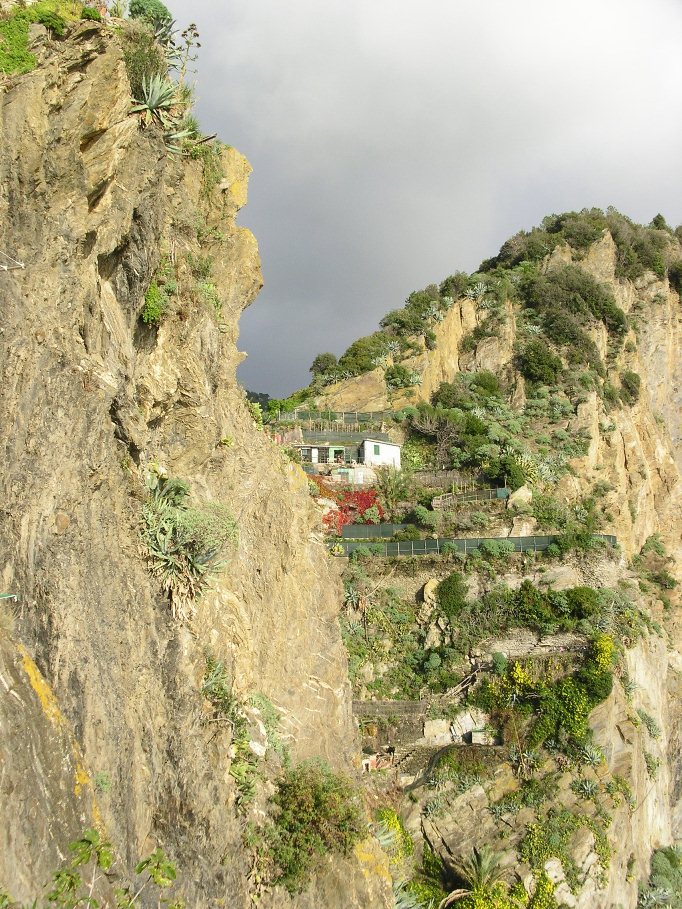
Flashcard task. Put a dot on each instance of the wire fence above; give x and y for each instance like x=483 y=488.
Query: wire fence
x=466 y=545
x=335 y=416
x=370 y=531
x=476 y=495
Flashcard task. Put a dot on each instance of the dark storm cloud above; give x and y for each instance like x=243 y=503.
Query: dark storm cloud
x=395 y=142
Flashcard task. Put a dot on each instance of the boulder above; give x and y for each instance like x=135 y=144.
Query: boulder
x=520 y=497
x=429 y=597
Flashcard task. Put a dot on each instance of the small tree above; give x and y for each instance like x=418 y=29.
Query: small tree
x=539 y=364
x=452 y=595
x=323 y=364
x=152 y=12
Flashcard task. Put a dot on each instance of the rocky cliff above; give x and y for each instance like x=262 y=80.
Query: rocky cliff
x=104 y=709
x=101 y=708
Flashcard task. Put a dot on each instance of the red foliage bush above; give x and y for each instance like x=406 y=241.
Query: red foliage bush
x=352 y=504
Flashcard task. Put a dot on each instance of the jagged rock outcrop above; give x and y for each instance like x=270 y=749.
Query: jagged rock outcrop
x=89 y=398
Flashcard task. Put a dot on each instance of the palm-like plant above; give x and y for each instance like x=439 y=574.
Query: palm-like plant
x=479 y=873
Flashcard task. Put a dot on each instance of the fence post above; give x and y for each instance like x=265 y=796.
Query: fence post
x=465 y=546
x=535 y=545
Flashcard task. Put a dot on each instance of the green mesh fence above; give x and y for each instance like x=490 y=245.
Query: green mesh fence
x=465 y=545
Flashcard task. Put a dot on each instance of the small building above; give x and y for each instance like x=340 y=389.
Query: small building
x=379 y=453
x=347 y=448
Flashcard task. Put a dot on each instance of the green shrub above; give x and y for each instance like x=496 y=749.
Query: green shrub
x=200 y=266
x=362 y=354
x=14 y=53
x=500 y=663
x=154 y=305
x=664 y=887
x=318 y=812
x=630 y=385
x=15 y=57
x=583 y=601
x=50 y=19
x=153 y=12
x=597 y=683
x=91 y=14
x=450 y=395
x=564 y=709
x=610 y=394
x=213 y=172
x=142 y=55
x=454 y=286
x=549 y=512
x=571 y=289
x=506 y=471
x=531 y=607
x=424 y=517
x=398 y=376
x=663 y=578
x=495 y=549
x=452 y=595
x=538 y=363
x=675 y=275
x=563 y=329
x=407 y=533
x=207 y=293
x=486 y=384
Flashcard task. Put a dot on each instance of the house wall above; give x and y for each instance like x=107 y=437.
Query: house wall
x=389 y=455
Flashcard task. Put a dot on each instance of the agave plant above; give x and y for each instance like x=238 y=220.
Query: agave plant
x=404 y=899
x=157 y=102
x=586 y=789
x=592 y=755
x=476 y=291
x=174 y=140
x=657 y=896
x=386 y=836
x=165 y=33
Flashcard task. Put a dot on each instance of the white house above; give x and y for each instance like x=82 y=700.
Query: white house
x=379 y=453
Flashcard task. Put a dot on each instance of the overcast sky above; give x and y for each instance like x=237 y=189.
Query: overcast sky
x=395 y=142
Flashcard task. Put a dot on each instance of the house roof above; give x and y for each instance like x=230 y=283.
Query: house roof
x=379 y=440
x=349 y=440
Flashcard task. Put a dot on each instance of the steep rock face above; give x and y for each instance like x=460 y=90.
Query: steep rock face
x=635 y=828
x=369 y=392
x=89 y=398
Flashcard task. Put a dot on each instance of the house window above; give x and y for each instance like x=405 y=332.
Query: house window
x=323 y=456
x=377 y=449
x=306 y=455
